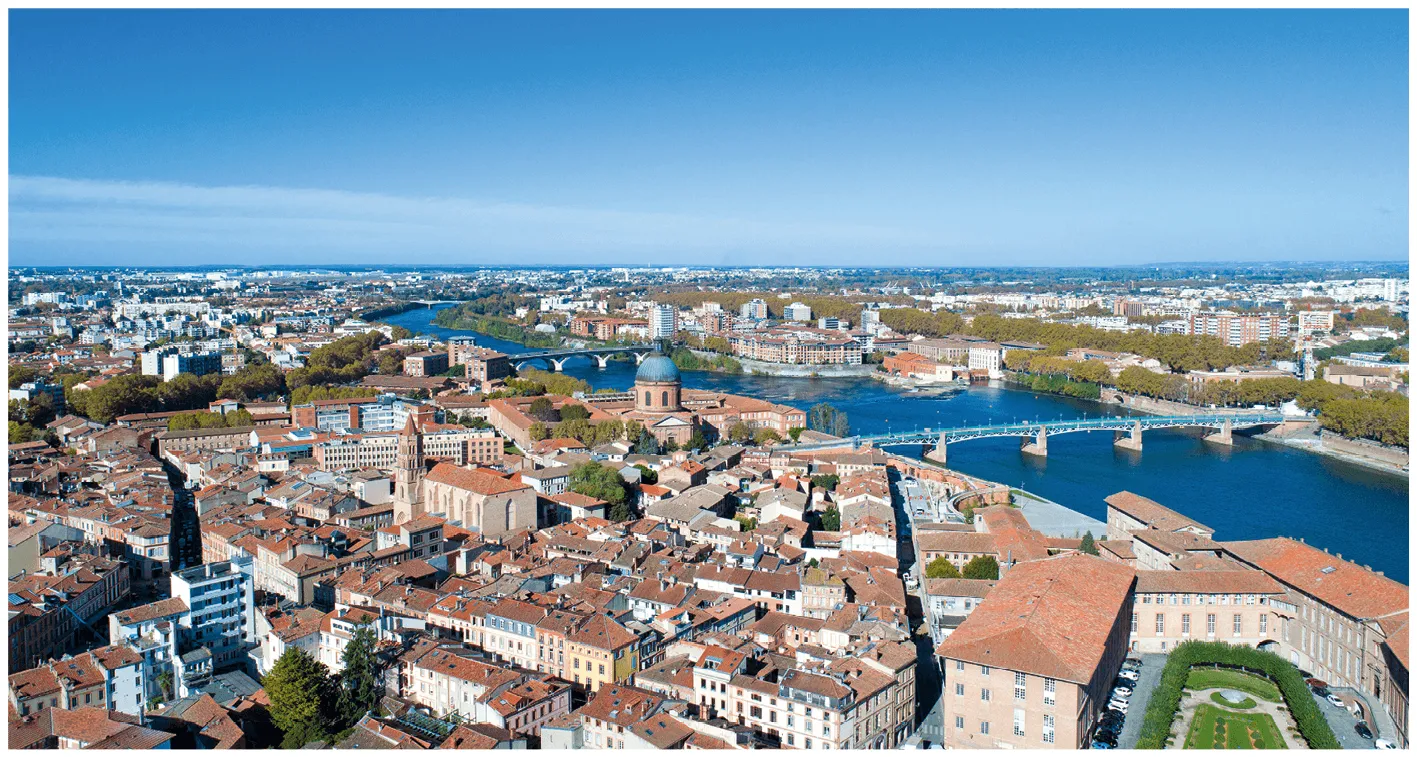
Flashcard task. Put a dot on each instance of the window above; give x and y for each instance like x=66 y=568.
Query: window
x=1018 y=722
x=1210 y=624
x=984 y=670
x=1264 y=624
x=983 y=695
x=959 y=665
x=1020 y=686
x=1160 y=624
x=648 y=401
x=1047 y=729
x=1050 y=691
x=1235 y=626
x=1134 y=622
x=1186 y=624
x=959 y=689
x=959 y=722
x=984 y=727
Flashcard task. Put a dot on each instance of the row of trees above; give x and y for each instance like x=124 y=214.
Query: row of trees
x=982 y=567
x=345 y=361
x=132 y=393
x=190 y=421
x=686 y=360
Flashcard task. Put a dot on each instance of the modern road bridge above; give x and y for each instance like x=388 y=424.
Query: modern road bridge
x=1127 y=431
x=557 y=358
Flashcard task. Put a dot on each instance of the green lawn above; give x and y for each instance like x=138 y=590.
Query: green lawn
x=1244 y=704
x=1207 y=678
x=1214 y=728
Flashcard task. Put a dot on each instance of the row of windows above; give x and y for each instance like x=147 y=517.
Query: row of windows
x=1049 y=730
x=1236 y=624
x=1200 y=599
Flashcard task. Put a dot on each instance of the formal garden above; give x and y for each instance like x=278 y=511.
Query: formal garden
x=1215 y=696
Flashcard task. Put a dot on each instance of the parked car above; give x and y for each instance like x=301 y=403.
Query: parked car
x=1118 y=706
x=1363 y=730
x=1130 y=675
x=1321 y=693
x=1305 y=674
x=1121 y=693
x=1316 y=683
x=1125 y=683
x=1100 y=745
x=1335 y=701
x=1384 y=744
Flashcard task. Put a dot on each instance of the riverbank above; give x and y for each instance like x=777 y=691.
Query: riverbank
x=760 y=368
x=1309 y=439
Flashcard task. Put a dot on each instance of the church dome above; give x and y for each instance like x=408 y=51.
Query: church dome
x=657 y=369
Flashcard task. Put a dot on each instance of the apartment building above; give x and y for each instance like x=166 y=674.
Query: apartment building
x=1237 y=330
x=221 y=615
x=425 y=364
x=109 y=677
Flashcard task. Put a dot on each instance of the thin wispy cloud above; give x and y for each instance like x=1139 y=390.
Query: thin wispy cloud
x=263 y=218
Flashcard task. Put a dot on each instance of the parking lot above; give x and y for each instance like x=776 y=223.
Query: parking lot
x=1141 y=697
x=1342 y=722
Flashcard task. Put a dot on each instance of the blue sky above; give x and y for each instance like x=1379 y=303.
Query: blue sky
x=716 y=137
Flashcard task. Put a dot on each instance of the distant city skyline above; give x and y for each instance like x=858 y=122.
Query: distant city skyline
x=732 y=138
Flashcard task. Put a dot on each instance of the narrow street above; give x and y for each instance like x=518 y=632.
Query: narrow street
x=184 y=545
x=906 y=495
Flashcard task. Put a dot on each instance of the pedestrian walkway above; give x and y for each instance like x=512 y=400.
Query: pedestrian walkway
x=1053 y=519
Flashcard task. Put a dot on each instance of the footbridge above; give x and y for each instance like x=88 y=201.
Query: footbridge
x=556 y=359
x=1033 y=435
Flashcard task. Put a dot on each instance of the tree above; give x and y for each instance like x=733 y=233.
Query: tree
x=795 y=433
x=740 y=432
x=538 y=431
x=647 y=474
x=646 y=444
x=983 y=566
x=359 y=683
x=765 y=435
x=600 y=481
x=697 y=441
x=827 y=419
x=941 y=568
x=745 y=523
x=1088 y=546
x=572 y=412
x=296 y=687
x=827 y=481
x=831 y=519
x=399 y=333
x=21 y=374
x=542 y=410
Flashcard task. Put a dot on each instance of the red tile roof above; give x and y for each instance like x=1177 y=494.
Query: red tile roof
x=1048 y=617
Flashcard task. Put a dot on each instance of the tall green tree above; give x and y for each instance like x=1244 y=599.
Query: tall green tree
x=359 y=683
x=296 y=686
x=827 y=419
x=831 y=519
x=1088 y=546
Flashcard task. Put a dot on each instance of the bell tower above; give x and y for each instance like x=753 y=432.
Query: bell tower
x=408 y=474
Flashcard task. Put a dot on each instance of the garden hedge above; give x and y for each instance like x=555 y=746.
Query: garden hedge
x=1166 y=699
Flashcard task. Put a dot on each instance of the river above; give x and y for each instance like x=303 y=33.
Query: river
x=1253 y=490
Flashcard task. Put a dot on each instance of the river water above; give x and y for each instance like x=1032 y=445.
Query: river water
x=1253 y=490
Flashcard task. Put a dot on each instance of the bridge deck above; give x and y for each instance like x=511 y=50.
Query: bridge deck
x=1051 y=428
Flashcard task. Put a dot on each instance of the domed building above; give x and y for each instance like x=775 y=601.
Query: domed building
x=657 y=385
